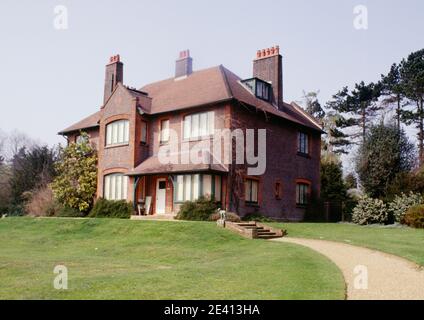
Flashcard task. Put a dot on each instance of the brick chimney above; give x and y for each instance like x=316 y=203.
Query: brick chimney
x=268 y=66
x=184 y=64
x=114 y=75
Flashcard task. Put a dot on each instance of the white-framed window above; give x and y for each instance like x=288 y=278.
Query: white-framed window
x=164 y=131
x=117 y=132
x=303 y=143
x=115 y=186
x=302 y=194
x=143 y=133
x=251 y=189
x=189 y=187
x=199 y=125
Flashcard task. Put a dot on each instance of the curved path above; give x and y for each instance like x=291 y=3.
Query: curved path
x=385 y=276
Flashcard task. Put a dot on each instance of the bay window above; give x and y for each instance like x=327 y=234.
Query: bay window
x=190 y=187
x=115 y=186
x=117 y=132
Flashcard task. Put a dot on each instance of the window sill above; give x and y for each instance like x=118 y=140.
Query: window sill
x=305 y=155
x=208 y=137
x=111 y=146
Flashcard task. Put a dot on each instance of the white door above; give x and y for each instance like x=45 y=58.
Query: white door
x=160 y=196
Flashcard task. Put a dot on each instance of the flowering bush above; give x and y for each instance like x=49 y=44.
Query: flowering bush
x=369 y=211
x=402 y=203
x=414 y=217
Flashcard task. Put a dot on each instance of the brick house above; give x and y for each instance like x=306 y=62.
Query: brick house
x=134 y=126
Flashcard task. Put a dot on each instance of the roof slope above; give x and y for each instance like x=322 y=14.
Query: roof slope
x=89 y=122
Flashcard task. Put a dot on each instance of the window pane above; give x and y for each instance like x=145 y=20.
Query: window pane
x=196 y=186
x=124 y=187
x=114 y=132
x=164 y=131
x=211 y=122
x=254 y=191
x=207 y=185
x=143 y=137
x=194 y=125
x=203 y=126
x=247 y=190
x=118 y=191
x=218 y=188
x=180 y=188
x=187 y=127
x=187 y=187
x=108 y=134
x=112 y=187
x=126 y=131
x=120 y=131
x=106 y=194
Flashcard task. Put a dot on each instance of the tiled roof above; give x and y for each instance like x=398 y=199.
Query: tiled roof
x=89 y=122
x=202 y=87
x=152 y=165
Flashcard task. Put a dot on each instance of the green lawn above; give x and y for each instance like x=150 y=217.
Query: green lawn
x=122 y=259
x=398 y=240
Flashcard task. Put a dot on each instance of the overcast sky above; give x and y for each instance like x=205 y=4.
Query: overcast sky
x=51 y=78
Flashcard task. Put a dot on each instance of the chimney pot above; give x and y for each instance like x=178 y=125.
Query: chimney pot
x=184 y=64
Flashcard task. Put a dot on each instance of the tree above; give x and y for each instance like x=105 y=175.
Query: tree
x=312 y=104
x=412 y=82
x=351 y=181
x=385 y=152
x=332 y=185
x=335 y=141
x=392 y=91
x=31 y=169
x=76 y=182
x=355 y=110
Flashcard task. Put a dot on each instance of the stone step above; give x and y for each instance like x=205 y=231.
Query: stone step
x=272 y=236
x=265 y=232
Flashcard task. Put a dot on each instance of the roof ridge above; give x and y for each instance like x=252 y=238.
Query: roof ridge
x=223 y=71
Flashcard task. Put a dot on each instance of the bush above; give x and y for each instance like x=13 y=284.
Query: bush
x=69 y=212
x=400 y=204
x=111 y=209
x=258 y=217
x=229 y=216
x=199 y=210
x=414 y=217
x=42 y=203
x=369 y=211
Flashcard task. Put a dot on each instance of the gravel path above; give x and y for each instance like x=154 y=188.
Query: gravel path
x=389 y=276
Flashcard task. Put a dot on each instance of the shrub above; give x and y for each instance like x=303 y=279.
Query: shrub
x=199 y=210
x=69 y=212
x=229 y=216
x=42 y=203
x=111 y=209
x=414 y=217
x=369 y=211
x=258 y=217
x=402 y=203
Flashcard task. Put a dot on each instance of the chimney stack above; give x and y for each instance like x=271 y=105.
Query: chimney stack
x=184 y=64
x=268 y=66
x=114 y=75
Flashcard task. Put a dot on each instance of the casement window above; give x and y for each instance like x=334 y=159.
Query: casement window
x=262 y=90
x=117 y=132
x=189 y=187
x=199 y=125
x=251 y=189
x=302 y=194
x=278 y=190
x=143 y=133
x=303 y=143
x=164 y=131
x=115 y=186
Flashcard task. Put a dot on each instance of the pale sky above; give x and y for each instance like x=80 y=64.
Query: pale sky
x=51 y=78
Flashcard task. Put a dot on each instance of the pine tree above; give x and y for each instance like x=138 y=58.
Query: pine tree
x=393 y=92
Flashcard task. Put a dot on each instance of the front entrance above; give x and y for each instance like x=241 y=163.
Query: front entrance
x=160 y=196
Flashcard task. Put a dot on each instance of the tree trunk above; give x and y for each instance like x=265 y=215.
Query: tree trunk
x=398 y=112
x=363 y=122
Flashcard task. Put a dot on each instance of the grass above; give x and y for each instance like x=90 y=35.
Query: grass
x=122 y=259
x=398 y=240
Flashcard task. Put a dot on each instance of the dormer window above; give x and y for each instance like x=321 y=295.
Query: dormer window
x=261 y=89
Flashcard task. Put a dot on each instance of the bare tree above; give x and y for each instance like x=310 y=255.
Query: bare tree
x=16 y=141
